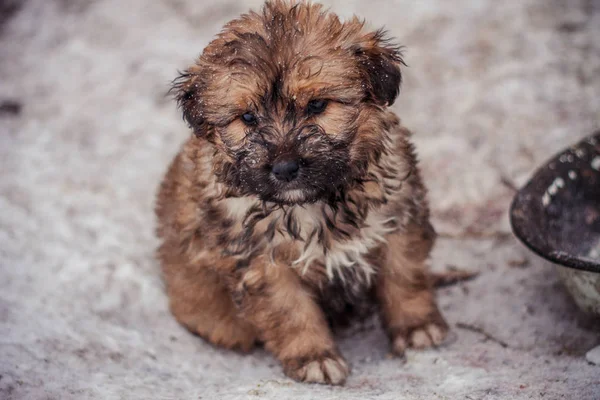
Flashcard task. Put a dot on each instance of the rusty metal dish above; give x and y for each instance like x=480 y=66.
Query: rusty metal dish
x=557 y=215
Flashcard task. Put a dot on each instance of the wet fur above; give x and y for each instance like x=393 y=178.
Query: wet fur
x=247 y=258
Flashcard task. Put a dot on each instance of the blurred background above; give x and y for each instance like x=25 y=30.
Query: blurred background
x=492 y=89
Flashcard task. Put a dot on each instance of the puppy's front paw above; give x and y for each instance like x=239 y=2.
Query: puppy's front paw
x=430 y=334
x=328 y=369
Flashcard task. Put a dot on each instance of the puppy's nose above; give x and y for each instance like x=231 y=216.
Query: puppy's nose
x=286 y=170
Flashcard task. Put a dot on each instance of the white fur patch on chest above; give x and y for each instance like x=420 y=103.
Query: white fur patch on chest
x=348 y=254
x=237 y=207
x=342 y=256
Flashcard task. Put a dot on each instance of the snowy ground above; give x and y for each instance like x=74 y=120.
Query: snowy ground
x=493 y=89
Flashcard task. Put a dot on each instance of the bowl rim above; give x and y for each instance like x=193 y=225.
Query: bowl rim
x=557 y=257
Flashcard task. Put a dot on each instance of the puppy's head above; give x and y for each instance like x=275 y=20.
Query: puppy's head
x=293 y=100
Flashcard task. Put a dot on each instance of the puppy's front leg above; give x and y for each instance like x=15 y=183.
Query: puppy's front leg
x=406 y=298
x=289 y=322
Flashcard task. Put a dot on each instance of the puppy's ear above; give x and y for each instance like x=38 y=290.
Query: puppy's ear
x=186 y=89
x=380 y=63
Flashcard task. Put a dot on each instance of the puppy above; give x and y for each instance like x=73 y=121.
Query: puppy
x=298 y=198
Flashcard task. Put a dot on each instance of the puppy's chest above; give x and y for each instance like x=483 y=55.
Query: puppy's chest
x=324 y=246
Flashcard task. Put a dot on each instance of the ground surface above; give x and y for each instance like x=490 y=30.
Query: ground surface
x=493 y=89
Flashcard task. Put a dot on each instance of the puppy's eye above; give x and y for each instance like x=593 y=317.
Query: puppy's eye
x=316 y=106
x=249 y=118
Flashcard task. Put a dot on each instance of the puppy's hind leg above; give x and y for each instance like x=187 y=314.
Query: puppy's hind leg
x=200 y=301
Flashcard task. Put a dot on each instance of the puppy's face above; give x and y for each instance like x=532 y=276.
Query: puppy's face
x=293 y=100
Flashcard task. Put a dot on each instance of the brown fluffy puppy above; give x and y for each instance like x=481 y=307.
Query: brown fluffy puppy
x=298 y=199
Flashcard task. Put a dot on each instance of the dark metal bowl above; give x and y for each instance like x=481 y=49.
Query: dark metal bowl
x=557 y=214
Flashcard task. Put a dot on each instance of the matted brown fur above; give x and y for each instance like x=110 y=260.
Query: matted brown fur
x=250 y=258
